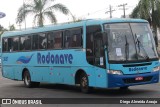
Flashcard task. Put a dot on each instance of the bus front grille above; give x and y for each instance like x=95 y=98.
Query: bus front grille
x=132 y=80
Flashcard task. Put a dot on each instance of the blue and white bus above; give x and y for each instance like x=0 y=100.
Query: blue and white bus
x=91 y=53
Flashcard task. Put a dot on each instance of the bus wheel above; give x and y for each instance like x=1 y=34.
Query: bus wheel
x=84 y=83
x=124 y=88
x=27 y=80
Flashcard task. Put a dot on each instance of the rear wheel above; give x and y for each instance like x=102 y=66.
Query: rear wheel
x=27 y=80
x=124 y=88
x=84 y=83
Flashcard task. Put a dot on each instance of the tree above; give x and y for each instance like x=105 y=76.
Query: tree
x=2 y=29
x=75 y=19
x=149 y=10
x=12 y=28
x=39 y=9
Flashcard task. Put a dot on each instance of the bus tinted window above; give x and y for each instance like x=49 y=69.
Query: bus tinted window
x=25 y=43
x=42 y=41
x=10 y=44
x=91 y=31
x=5 y=45
x=57 y=40
x=73 y=38
x=54 y=40
x=35 y=42
x=50 y=43
x=15 y=43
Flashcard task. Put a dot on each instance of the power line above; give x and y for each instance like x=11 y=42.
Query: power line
x=124 y=8
x=110 y=11
x=91 y=13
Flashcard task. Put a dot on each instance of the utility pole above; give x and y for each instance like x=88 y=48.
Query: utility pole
x=124 y=8
x=110 y=11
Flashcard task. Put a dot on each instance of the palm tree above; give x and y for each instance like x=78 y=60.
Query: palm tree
x=12 y=28
x=39 y=9
x=149 y=10
x=2 y=29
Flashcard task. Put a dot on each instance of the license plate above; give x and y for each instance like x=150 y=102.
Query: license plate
x=139 y=78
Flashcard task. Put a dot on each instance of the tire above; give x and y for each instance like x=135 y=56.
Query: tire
x=27 y=80
x=124 y=88
x=84 y=83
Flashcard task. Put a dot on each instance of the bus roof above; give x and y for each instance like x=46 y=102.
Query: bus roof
x=69 y=25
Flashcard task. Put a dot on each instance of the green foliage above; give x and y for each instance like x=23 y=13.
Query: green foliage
x=149 y=10
x=41 y=9
x=12 y=28
x=2 y=29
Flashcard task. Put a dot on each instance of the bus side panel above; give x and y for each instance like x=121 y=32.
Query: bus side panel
x=58 y=74
x=8 y=72
x=90 y=71
x=101 y=77
x=68 y=75
x=18 y=72
x=97 y=76
x=39 y=74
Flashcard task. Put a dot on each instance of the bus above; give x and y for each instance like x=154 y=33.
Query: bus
x=101 y=53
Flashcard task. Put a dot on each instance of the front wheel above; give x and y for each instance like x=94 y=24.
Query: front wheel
x=27 y=80
x=84 y=83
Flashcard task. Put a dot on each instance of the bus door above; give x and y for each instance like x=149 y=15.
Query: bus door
x=99 y=50
x=99 y=61
x=95 y=54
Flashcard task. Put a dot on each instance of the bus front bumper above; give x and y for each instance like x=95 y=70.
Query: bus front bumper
x=130 y=80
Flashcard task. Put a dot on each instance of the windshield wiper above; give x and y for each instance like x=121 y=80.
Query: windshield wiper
x=138 y=42
x=126 y=48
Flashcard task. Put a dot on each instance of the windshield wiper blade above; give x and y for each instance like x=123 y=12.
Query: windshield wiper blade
x=126 y=48
x=138 y=42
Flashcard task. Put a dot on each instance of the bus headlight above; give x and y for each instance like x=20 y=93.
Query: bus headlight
x=114 y=72
x=155 y=69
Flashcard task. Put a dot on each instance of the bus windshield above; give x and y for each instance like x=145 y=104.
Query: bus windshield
x=130 y=42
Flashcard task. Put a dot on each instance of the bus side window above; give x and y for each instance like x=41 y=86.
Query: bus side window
x=42 y=41
x=15 y=43
x=67 y=38
x=73 y=38
x=77 y=38
x=25 y=43
x=5 y=44
x=10 y=44
x=50 y=42
x=35 y=42
x=57 y=40
x=22 y=45
x=90 y=51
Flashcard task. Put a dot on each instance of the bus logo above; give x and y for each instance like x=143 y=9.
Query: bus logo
x=24 y=59
x=50 y=58
x=137 y=69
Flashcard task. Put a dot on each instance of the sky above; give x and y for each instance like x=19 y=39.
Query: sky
x=82 y=9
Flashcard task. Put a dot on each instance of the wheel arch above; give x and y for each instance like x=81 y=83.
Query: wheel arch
x=24 y=69
x=78 y=75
